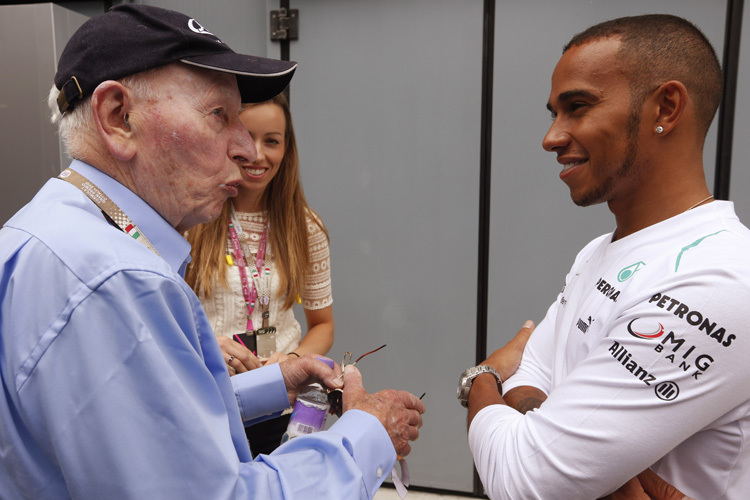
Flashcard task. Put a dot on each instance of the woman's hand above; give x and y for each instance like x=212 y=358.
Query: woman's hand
x=239 y=358
x=277 y=357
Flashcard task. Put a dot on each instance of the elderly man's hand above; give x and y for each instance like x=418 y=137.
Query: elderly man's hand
x=398 y=411
x=297 y=371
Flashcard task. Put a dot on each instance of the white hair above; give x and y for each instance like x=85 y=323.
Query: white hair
x=74 y=126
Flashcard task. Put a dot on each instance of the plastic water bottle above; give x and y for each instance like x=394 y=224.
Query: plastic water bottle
x=310 y=410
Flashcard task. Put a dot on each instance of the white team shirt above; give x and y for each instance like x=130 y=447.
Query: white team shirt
x=645 y=357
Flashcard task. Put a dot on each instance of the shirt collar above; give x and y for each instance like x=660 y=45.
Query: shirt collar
x=170 y=244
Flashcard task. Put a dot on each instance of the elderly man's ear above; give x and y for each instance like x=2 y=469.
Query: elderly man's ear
x=110 y=104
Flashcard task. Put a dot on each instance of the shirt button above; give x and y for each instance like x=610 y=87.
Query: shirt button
x=380 y=472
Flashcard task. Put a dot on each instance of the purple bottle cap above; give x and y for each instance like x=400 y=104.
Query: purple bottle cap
x=327 y=361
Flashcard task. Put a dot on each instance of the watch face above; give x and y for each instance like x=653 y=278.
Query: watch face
x=464 y=384
x=467 y=377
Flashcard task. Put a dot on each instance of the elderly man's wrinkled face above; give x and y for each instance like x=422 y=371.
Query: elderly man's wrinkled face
x=191 y=144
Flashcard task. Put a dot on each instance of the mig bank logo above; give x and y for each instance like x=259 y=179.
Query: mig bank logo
x=645 y=329
x=626 y=273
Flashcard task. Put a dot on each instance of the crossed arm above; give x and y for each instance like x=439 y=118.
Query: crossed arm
x=484 y=392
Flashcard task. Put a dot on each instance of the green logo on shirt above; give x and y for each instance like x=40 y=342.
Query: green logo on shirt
x=693 y=245
x=626 y=272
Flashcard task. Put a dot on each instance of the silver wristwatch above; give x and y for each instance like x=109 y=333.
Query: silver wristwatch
x=467 y=378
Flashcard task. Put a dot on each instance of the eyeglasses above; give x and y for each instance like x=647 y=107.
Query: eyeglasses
x=347 y=361
x=336 y=396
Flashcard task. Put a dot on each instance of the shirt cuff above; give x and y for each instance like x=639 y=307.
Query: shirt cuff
x=371 y=446
x=260 y=393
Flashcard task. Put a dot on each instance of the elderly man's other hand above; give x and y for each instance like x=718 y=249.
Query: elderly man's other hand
x=297 y=371
x=398 y=411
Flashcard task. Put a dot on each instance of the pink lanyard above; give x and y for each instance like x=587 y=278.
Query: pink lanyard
x=250 y=296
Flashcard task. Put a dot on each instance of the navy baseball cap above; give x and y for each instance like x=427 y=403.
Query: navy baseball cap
x=132 y=38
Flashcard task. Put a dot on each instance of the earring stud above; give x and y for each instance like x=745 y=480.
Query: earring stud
x=659 y=129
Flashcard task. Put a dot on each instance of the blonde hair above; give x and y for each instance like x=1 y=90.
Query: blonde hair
x=288 y=213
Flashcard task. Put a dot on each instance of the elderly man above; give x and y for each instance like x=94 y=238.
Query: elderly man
x=642 y=362
x=113 y=383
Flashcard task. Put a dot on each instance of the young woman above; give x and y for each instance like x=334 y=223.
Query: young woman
x=267 y=251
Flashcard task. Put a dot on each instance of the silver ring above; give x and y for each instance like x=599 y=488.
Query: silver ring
x=230 y=358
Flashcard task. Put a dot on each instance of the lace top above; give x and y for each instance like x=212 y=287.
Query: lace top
x=226 y=309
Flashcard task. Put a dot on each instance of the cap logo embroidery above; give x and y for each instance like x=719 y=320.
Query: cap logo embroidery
x=196 y=27
x=166 y=37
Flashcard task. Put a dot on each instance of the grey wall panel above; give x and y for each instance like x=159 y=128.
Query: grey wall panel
x=739 y=189
x=241 y=24
x=89 y=8
x=387 y=108
x=67 y=20
x=386 y=104
x=536 y=230
x=32 y=39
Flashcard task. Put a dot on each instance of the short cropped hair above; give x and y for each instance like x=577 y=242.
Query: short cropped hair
x=657 y=48
x=74 y=126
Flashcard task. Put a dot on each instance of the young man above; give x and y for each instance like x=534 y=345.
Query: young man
x=113 y=383
x=642 y=361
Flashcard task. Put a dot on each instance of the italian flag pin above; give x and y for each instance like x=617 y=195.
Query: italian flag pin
x=132 y=231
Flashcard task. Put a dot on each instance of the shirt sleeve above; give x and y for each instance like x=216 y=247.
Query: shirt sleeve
x=145 y=408
x=365 y=463
x=535 y=368
x=539 y=354
x=261 y=393
x=630 y=401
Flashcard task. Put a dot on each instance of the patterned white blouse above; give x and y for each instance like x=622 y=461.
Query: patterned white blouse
x=226 y=309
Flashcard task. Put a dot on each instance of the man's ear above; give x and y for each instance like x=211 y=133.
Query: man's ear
x=110 y=104
x=671 y=100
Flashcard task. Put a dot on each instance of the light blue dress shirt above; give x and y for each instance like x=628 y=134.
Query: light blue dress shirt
x=113 y=384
